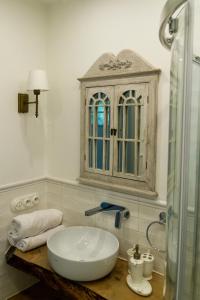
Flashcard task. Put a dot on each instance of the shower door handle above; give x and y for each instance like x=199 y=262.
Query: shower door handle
x=166 y=18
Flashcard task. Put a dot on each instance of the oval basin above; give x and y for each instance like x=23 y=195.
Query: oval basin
x=82 y=253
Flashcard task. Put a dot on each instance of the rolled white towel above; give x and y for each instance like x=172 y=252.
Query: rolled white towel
x=31 y=224
x=35 y=241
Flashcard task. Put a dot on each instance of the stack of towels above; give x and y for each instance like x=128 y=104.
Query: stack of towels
x=32 y=230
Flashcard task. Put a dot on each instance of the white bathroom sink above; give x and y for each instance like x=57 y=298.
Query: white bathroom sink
x=82 y=253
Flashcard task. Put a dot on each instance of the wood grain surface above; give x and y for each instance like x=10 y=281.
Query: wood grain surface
x=111 y=287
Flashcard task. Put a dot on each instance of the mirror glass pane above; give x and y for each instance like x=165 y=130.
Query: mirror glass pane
x=121 y=100
x=91 y=102
x=130 y=122
x=140 y=159
x=99 y=120
x=91 y=121
x=107 y=155
x=99 y=154
x=96 y=96
x=107 y=125
x=120 y=152
x=107 y=101
x=90 y=149
x=129 y=157
x=120 y=121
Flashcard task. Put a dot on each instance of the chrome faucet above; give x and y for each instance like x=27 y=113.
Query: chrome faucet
x=120 y=212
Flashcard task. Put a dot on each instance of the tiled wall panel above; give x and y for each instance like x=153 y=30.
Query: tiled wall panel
x=75 y=199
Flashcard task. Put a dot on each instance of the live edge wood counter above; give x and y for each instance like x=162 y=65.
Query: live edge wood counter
x=111 y=287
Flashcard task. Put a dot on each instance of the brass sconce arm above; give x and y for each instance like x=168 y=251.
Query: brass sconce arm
x=23 y=102
x=37 y=82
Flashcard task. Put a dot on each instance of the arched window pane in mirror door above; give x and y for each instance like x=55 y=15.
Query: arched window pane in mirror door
x=96 y=95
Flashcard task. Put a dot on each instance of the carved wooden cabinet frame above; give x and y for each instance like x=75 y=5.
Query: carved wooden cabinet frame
x=127 y=75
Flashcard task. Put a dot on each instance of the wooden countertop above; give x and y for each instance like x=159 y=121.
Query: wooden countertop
x=111 y=287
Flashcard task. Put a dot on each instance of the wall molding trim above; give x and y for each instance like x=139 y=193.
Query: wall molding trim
x=83 y=187
x=19 y=184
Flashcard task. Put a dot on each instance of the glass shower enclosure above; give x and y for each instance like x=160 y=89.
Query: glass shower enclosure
x=179 y=33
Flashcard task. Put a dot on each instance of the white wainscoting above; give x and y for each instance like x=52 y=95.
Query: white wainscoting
x=12 y=280
x=73 y=199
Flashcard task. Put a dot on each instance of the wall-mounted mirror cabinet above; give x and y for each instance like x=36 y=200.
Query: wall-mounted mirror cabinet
x=118 y=124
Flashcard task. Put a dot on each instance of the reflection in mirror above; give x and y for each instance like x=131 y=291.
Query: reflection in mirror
x=130 y=122
x=107 y=155
x=127 y=94
x=99 y=131
x=96 y=96
x=107 y=123
x=120 y=121
x=119 y=163
x=102 y=95
x=107 y=101
x=121 y=101
x=99 y=119
x=90 y=149
x=99 y=154
x=129 y=157
x=91 y=101
x=91 y=121
x=140 y=155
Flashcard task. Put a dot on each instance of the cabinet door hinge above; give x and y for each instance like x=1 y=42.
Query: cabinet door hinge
x=84 y=156
x=146 y=164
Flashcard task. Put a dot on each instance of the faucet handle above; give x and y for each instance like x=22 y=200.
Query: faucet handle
x=126 y=214
x=119 y=215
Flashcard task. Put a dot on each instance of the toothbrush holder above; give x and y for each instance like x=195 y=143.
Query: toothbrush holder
x=148 y=260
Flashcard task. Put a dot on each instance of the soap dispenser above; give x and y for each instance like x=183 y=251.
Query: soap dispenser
x=136 y=266
x=135 y=280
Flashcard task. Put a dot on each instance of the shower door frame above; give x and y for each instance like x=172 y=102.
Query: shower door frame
x=168 y=11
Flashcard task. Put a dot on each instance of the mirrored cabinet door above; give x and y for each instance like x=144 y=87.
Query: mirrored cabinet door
x=99 y=116
x=130 y=109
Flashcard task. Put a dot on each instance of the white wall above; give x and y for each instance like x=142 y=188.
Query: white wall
x=23 y=47
x=79 y=32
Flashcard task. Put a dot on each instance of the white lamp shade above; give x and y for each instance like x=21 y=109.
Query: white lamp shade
x=37 y=80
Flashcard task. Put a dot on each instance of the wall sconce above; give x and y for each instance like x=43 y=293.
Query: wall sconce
x=37 y=82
